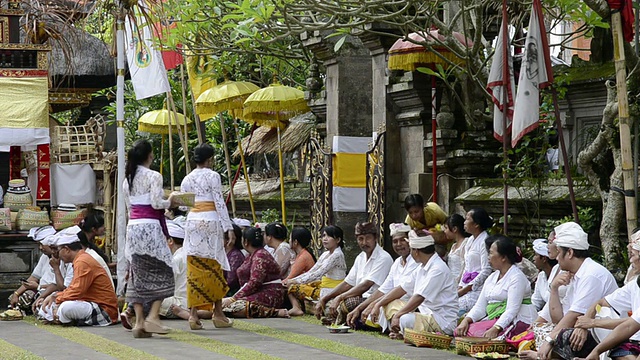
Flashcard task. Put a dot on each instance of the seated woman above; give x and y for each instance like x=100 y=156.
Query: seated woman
x=544 y=264
x=236 y=257
x=476 y=264
x=505 y=296
x=276 y=238
x=304 y=260
x=261 y=293
x=454 y=231
x=325 y=275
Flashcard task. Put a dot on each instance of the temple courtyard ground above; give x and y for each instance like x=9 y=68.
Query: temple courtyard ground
x=300 y=338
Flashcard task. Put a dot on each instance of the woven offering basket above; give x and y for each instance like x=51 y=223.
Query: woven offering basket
x=427 y=339
x=184 y=199
x=473 y=345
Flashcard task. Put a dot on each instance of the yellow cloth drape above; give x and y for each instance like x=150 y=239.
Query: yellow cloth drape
x=24 y=102
x=350 y=170
x=433 y=214
x=205 y=282
x=201 y=75
x=329 y=283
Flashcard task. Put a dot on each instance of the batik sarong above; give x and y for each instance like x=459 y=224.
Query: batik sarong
x=150 y=280
x=205 y=282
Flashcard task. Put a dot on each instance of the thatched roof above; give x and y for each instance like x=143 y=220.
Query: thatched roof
x=265 y=140
x=81 y=60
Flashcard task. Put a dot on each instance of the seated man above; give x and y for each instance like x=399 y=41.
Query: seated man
x=57 y=275
x=25 y=296
x=369 y=271
x=591 y=281
x=623 y=301
x=172 y=305
x=401 y=268
x=435 y=295
x=89 y=300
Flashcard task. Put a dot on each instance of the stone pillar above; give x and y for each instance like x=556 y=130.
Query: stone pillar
x=383 y=119
x=348 y=105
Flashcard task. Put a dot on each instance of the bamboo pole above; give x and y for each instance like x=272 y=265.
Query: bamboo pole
x=282 y=201
x=565 y=157
x=227 y=159
x=183 y=140
x=172 y=182
x=196 y=118
x=505 y=106
x=161 y=153
x=244 y=169
x=625 y=126
x=184 y=111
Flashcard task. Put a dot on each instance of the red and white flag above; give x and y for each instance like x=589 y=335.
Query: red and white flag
x=501 y=81
x=148 y=74
x=535 y=73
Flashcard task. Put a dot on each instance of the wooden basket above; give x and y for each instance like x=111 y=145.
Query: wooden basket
x=427 y=339
x=79 y=144
x=472 y=345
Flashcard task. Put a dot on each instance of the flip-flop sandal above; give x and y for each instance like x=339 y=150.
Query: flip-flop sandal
x=11 y=315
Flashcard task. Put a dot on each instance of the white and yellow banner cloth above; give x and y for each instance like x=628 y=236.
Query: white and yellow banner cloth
x=24 y=108
x=350 y=173
x=146 y=67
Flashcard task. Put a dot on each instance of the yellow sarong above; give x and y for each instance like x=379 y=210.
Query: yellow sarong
x=205 y=282
x=312 y=289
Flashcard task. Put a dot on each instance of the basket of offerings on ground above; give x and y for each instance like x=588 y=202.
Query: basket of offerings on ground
x=473 y=345
x=427 y=339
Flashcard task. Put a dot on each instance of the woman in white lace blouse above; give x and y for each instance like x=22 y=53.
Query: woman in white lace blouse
x=275 y=235
x=454 y=231
x=329 y=271
x=150 y=262
x=205 y=229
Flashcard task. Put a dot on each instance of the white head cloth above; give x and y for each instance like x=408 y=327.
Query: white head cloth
x=540 y=247
x=420 y=242
x=38 y=234
x=398 y=228
x=66 y=239
x=241 y=222
x=175 y=229
x=49 y=240
x=571 y=235
x=635 y=241
x=73 y=230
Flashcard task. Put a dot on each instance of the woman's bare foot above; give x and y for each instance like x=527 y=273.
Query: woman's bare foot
x=296 y=312
x=283 y=313
x=180 y=312
x=395 y=336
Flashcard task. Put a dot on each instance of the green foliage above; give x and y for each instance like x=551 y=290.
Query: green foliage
x=270 y=215
x=586 y=215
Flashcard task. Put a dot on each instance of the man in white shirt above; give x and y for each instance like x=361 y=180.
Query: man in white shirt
x=179 y=264
x=623 y=301
x=401 y=268
x=435 y=295
x=26 y=294
x=369 y=271
x=591 y=281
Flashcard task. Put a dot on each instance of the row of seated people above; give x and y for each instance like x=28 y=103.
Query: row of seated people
x=419 y=290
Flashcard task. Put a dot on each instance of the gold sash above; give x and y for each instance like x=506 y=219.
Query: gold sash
x=202 y=206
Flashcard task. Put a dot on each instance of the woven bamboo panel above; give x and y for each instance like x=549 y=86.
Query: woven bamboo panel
x=79 y=144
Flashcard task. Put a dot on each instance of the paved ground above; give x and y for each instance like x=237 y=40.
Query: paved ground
x=249 y=339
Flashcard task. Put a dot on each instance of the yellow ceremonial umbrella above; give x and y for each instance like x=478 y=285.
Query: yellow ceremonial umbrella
x=157 y=122
x=273 y=107
x=229 y=96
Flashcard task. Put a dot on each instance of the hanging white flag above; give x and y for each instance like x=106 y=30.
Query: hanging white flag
x=535 y=73
x=148 y=74
x=496 y=84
